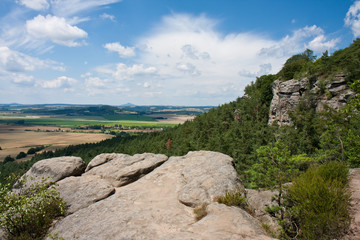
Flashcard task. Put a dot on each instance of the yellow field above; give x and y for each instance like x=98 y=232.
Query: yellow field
x=14 y=139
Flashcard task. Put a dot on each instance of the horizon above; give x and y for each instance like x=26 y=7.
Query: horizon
x=158 y=53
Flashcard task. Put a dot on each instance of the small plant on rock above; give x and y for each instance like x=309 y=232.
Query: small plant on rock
x=28 y=214
x=200 y=212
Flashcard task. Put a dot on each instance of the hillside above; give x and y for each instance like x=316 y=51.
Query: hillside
x=316 y=143
x=240 y=127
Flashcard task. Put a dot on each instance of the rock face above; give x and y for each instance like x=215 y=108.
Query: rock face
x=156 y=205
x=287 y=95
x=55 y=169
x=354 y=184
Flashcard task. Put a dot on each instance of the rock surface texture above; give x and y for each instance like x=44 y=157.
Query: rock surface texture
x=354 y=184
x=53 y=169
x=287 y=95
x=157 y=203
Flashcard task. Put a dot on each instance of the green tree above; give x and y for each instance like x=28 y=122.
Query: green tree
x=275 y=167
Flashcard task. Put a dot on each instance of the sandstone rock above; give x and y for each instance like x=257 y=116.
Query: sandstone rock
x=354 y=184
x=287 y=95
x=122 y=169
x=150 y=208
x=258 y=201
x=207 y=175
x=223 y=222
x=81 y=192
x=54 y=168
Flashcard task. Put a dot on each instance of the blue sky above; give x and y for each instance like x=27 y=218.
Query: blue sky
x=158 y=52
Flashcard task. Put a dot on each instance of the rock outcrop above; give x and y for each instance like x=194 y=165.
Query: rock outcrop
x=287 y=95
x=156 y=201
x=53 y=169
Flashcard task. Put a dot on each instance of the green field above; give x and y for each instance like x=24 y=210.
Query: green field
x=74 y=122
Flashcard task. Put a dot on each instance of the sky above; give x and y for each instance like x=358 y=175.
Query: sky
x=158 y=52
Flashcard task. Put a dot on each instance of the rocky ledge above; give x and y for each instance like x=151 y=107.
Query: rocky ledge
x=148 y=196
x=287 y=95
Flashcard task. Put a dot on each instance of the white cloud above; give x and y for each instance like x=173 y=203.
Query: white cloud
x=319 y=43
x=124 y=72
x=35 y=4
x=108 y=16
x=72 y=7
x=14 y=61
x=60 y=82
x=55 y=29
x=22 y=79
x=308 y=37
x=352 y=18
x=123 y=52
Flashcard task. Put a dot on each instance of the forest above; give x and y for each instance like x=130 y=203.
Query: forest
x=240 y=129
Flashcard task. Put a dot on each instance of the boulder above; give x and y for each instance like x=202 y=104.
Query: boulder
x=206 y=176
x=154 y=206
x=53 y=169
x=81 y=192
x=122 y=169
x=258 y=200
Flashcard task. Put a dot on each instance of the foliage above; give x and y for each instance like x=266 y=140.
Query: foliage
x=33 y=150
x=8 y=158
x=317 y=203
x=21 y=155
x=235 y=197
x=28 y=214
x=200 y=212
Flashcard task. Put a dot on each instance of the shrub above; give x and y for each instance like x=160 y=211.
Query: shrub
x=234 y=198
x=200 y=212
x=8 y=159
x=21 y=155
x=318 y=203
x=28 y=215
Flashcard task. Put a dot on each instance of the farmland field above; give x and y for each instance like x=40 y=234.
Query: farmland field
x=52 y=126
x=15 y=139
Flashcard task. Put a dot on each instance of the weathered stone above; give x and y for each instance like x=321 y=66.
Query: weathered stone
x=81 y=192
x=258 y=201
x=207 y=176
x=149 y=208
x=122 y=169
x=222 y=222
x=287 y=95
x=53 y=168
x=354 y=184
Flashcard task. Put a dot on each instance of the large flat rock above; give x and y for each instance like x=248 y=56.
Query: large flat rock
x=53 y=169
x=152 y=207
x=122 y=169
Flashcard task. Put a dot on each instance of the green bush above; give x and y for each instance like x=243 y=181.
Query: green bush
x=234 y=198
x=28 y=215
x=318 y=203
x=21 y=155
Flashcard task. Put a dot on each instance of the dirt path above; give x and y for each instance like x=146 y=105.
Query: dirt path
x=354 y=232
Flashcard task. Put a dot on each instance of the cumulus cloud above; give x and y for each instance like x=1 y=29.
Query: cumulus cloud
x=124 y=72
x=55 y=29
x=60 y=82
x=308 y=37
x=22 y=79
x=124 y=52
x=35 y=4
x=352 y=18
